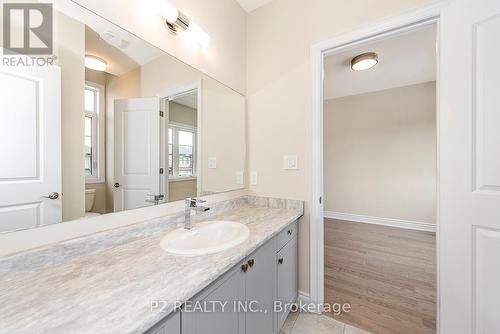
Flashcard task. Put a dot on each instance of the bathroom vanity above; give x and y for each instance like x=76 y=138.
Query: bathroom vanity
x=122 y=281
x=269 y=274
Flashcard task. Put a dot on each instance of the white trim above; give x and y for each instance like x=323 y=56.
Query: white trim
x=176 y=127
x=303 y=298
x=183 y=126
x=182 y=178
x=407 y=224
x=100 y=139
x=382 y=29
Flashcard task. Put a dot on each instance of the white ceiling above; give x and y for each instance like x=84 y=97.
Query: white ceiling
x=249 y=5
x=122 y=50
x=188 y=100
x=118 y=62
x=404 y=60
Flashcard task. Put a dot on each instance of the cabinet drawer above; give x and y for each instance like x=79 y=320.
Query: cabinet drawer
x=286 y=235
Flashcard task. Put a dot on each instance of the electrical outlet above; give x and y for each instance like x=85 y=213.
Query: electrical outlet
x=291 y=162
x=253 y=178
x=212 y=163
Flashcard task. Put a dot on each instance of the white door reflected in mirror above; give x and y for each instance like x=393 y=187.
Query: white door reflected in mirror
x=30 y=165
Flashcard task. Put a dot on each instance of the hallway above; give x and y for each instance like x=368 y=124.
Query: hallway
x=387 y=274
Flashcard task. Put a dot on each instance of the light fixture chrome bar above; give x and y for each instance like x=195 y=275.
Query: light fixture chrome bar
x=182 y=21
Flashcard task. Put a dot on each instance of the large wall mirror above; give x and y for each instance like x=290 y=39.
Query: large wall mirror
x=114 y=124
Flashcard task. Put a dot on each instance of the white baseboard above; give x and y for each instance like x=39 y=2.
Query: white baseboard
x=304 y=298
x=411 y=225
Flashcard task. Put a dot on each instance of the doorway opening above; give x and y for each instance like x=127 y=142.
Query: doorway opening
x=180 y=145
x=373 y=229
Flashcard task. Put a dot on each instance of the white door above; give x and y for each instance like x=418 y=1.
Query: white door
x=469 y=231
x=165 y=149
x=137 y=152
x=30 y=147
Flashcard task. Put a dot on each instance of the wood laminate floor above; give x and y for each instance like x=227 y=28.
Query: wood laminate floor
x=386 y=274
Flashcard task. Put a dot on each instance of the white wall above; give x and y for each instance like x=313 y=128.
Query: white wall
x=279 y=36
x=223 y=116
x=69 y=38
x=380 y=154
x=223 y=20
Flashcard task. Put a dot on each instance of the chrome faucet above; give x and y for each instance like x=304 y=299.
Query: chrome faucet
x=156 y=199
x=192 y=204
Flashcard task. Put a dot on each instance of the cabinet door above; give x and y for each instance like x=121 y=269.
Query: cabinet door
x=287 y=277
x=231 y=288
x=260 y=288
x=170 y=325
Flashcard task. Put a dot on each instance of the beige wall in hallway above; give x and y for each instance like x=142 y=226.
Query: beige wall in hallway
x=279 y=36
x=182 y=114
x=380 y=153
x=180 y=190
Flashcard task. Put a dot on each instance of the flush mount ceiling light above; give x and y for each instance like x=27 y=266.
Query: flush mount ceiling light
x=95 y=63
x=364 y=61
x=176 y=20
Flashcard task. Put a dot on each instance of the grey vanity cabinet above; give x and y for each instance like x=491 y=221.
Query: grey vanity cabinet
x=229 y=288
x=170 y=325
x=268 y=274
x=249 y=285
x=260 y=291
x=287 y=280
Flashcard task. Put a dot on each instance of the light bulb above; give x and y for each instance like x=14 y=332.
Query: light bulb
x=198 y=34
x=167 y=10
x=364 y=61
x=95 y=63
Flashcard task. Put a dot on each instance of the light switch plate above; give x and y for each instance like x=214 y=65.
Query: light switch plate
x=212 y=163
x=239 y=178
x=291 y=161
x=253 y=178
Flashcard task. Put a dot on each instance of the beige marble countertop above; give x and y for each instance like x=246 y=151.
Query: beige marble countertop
x=105 y=283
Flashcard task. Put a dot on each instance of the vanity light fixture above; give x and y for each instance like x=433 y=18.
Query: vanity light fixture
x=364 y=61
x=176 y=20
x=198 y=34
x=95 y=63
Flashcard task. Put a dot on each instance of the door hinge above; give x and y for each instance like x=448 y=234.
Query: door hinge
x=161 y=170
x=320 y=199
x=162 y=113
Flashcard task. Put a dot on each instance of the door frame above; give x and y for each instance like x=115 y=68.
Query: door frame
x=429 y=14
x=164 y=97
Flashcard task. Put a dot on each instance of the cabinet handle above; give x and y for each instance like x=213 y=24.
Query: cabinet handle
x=289 y=232
x=251 y=262
x=244 y=268
x=280 y=261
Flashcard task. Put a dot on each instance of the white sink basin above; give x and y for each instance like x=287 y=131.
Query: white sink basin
x=205 y=238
